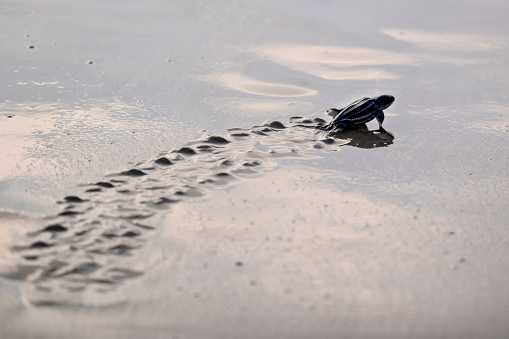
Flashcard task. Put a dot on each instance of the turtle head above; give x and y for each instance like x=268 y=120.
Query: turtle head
x=385 y=101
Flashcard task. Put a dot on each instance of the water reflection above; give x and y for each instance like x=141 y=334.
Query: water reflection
x=256 y=107
x=49 y=147
x=246 y=84
x=364 y=138
x=336 y=63
x=440 y=41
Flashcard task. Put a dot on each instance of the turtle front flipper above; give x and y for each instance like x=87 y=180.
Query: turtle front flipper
x=380 y=117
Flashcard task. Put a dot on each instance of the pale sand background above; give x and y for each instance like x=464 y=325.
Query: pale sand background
x=410 y=240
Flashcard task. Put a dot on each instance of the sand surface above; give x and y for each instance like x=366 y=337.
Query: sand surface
x=120 y=216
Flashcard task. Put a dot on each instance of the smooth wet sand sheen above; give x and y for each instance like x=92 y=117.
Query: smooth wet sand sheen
x=270 y=231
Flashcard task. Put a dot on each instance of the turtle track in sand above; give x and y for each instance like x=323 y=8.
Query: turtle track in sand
x=88 y=242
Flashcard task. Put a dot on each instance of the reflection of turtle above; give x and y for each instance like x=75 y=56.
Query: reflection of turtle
x=358 y=113
x=363 y=138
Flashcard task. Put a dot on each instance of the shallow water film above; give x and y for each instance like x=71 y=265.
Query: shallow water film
x=162 y=174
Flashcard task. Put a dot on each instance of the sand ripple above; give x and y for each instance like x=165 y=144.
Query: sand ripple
x=90 y=241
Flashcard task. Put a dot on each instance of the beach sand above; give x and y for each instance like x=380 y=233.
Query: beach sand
x=265 y=230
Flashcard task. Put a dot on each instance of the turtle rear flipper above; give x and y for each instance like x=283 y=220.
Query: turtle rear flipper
x=334 y=112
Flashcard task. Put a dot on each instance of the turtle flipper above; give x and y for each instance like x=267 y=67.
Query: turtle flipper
x=380 y=117
x=334 y=112
x=336 y=127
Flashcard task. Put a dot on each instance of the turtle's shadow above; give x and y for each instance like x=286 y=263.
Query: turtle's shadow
x=364 y=138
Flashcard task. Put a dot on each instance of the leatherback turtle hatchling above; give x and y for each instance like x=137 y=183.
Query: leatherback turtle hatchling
x=358 y=113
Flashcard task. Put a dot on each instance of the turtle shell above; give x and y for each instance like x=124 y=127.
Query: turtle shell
x=358 y=112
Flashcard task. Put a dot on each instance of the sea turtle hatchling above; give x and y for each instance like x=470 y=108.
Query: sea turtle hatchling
x=358 y=113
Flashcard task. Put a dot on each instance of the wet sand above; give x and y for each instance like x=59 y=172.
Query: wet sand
x=134 y=190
